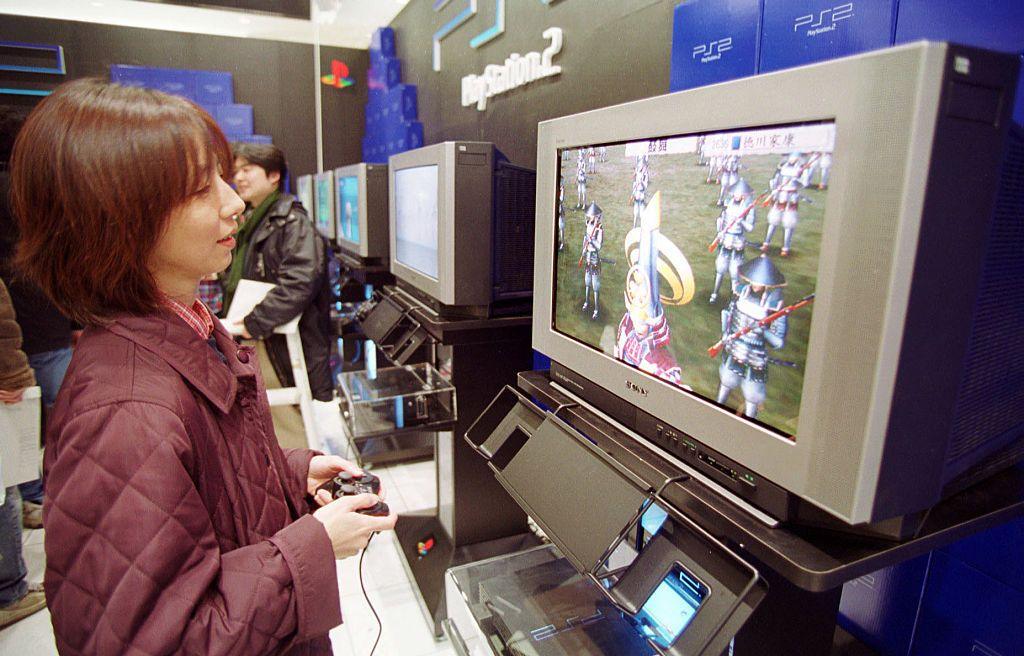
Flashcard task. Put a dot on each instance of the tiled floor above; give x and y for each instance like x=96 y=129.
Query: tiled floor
x=408 y=487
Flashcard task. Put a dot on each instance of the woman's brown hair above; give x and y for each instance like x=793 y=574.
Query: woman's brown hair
x=95 y=174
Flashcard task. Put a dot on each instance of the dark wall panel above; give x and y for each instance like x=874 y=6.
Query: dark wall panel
x=614 y=51
x=275 y=77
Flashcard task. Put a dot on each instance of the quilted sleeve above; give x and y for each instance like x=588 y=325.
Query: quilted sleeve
x=298 y=468
x=132 y=562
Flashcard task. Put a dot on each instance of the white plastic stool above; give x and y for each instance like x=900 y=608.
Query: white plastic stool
x=300 y=394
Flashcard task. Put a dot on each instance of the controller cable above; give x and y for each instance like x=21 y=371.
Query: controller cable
x=380 y=627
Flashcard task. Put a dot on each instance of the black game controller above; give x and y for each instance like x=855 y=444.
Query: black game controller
x=347 y=485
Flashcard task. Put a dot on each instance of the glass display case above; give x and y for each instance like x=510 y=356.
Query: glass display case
x=407 y=398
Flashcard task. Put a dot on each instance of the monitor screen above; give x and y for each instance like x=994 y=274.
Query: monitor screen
x=348 y=208
x=671 y=607
x=416 y=218
x=694 y=259
x=304 y=189
x=324 y=217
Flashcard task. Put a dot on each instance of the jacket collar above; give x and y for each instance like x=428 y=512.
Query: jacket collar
x=169 y=338
x=281 y=208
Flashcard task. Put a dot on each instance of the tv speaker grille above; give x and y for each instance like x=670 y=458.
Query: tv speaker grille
x=989 y=412
x=514 y=204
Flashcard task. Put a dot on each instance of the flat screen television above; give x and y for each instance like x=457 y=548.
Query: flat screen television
x=323 y=197
x=810 y=292
x=304 y=192
x=461 y=228
x=361 y=199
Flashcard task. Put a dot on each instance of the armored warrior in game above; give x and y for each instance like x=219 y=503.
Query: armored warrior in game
x=745 y=343
x=561 y=215
x=733 y=224
x=602 y=154
x=644 y=334
x=591 y=160
x=641 y=180
x=590 y=258
x=714 y=168
x=729 y=176
x=581 y=180
x=785 y=211
x=825 y=165
x=701 y=160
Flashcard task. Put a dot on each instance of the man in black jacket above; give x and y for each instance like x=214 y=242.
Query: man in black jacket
x=278 y=243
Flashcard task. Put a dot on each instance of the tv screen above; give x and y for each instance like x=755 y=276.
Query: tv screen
x=416 y=218
x=694 y=259
x=304 y=190
x=324 y=216
x=348 y=208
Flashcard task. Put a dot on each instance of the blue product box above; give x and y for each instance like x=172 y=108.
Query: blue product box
x=385 y=75
x=130 y=76
x=714 y=41
x=402 y=102
x=262 y=139
x=995 y=552
x=413 y=135
x=880 y=609
x=965 y=612
x=214 y=88
x=798 y=32
x=1018 y=109
x=174 y=81
x=383 y=40
x=992 y=24
x=235 y=119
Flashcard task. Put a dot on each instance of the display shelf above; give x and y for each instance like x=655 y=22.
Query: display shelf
x=412 y=398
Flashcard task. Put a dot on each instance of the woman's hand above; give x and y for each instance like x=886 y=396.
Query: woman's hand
x=323 y=469
x=348 y=530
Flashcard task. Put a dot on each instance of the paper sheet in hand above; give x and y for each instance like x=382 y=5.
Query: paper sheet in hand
x=19 y=438
x=248 y=295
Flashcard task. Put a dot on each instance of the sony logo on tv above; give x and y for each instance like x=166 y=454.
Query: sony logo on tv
x=633 y=387
x=827 y=19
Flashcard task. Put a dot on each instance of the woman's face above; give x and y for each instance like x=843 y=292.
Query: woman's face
x=198 y=239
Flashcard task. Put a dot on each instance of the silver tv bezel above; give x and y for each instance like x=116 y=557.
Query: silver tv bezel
x=884 y=105
x=314 y=212
x=357 y=171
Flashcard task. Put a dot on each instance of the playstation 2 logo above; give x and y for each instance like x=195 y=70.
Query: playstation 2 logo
x=825 y=20
x=633 y=387
x=712 y=51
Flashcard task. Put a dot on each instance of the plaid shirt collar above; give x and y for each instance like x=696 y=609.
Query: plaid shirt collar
x=197 y=315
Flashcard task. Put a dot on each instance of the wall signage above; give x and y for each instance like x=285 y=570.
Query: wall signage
x=517 y=71
x=824 y=21
x=339 y=75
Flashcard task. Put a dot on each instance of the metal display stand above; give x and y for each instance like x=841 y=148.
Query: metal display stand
x=801 y=570
x=475 y=517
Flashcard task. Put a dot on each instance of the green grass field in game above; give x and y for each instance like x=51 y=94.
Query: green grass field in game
x=688 y=214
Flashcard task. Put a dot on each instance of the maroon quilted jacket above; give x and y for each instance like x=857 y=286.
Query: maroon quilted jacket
x=175 y=524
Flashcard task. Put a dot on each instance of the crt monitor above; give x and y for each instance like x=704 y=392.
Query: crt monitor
x=323 y=199
x=805 y=293
x=304 y=192
x=361 y=202
x=461 y=227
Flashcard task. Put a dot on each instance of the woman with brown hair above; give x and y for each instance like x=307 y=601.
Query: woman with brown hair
x=174 y=521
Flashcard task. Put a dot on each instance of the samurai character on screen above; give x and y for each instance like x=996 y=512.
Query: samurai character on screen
x=733 y=224
x=729 y=176
x=591 y=160
x=641 y=180
x=561 y=215
x=581 y=180
x=644 y=334
x=602 y=154
x=745 y=341
x=785 y=211
x=714 y=168
x=590 y=258
x=825 y=166
x=790 y=167
x=701 y=160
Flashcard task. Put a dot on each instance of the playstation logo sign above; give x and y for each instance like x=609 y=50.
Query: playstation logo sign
x=709 y=52
x=825 y=20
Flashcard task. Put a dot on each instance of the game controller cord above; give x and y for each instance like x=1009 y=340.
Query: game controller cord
x=380 y=627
